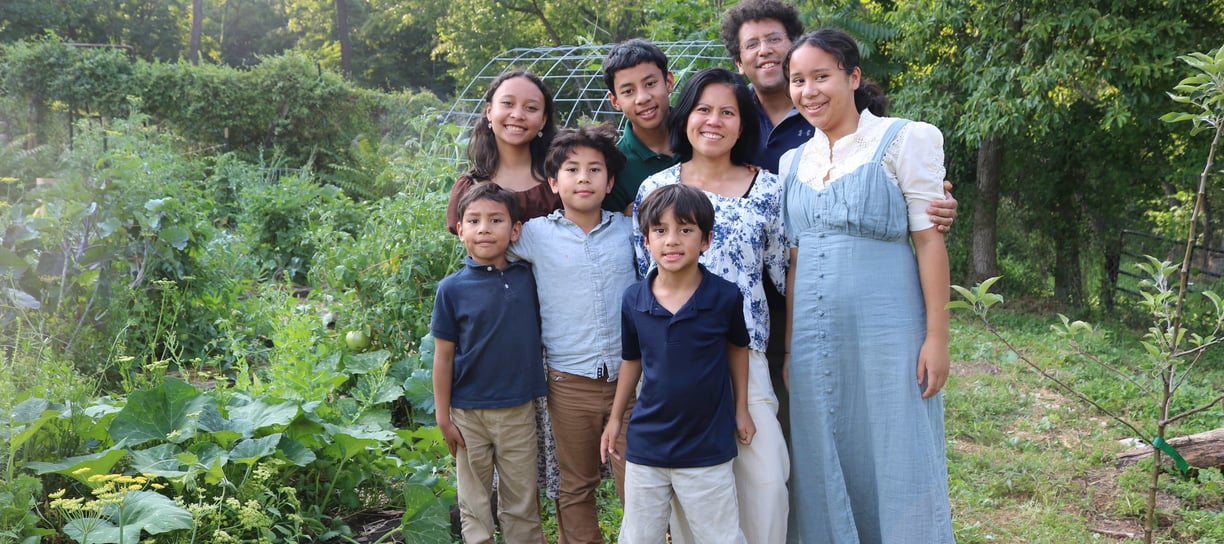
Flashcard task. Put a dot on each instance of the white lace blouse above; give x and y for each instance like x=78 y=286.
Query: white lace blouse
x=914 y=161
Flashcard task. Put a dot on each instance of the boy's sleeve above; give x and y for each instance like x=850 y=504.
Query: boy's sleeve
x=442 y=322
x=631 y=350
x=523 y=248
x=738 y=332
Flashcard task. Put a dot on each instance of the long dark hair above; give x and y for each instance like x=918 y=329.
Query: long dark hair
x=482 y=149
x=750 y=124
x=868 y=95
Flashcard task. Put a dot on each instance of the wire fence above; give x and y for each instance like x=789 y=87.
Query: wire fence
x=574 y=74
x=1206 y=263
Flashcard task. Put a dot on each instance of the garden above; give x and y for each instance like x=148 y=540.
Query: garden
x=216 y=285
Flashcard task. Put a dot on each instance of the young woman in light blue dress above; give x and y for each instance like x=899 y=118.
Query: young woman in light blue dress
x=868 y=328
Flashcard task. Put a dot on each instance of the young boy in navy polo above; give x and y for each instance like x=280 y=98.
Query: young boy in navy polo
x=683 y=334
x=487 y=369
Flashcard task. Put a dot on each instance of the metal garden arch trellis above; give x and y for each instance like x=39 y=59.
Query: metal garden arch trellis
x=574 y=74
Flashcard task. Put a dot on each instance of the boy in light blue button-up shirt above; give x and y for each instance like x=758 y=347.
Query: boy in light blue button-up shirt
x=583 y=260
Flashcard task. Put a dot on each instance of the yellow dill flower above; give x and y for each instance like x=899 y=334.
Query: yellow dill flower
x=81 y=471
x=57 y=494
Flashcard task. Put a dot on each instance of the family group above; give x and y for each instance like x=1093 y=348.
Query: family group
x=649 y=300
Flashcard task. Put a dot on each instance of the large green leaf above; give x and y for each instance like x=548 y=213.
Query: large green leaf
x=75 y=467
x=361 y=363
x=208 y=459
x=419 y=391
x=253 y=449
x=92 y=530
x=146 y=511
x=12 y=263
x=258 y=415
x=161 y=460
x=168 y=412
x=294 y=452
x=426 y=518
x=349 y=441
x=32 y=414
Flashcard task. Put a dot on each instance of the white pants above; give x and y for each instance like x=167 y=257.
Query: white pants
x=761 y=471
x=705 y=494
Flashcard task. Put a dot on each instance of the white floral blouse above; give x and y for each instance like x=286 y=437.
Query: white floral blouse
x=749 y=242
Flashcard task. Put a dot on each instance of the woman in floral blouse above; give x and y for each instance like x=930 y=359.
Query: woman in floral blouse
x=714 y=127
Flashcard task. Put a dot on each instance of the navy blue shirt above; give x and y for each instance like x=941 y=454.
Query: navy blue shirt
x=684 y=416
x=493 y=317
x=776 y=140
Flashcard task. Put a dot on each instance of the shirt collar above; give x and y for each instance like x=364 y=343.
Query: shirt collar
x=558 y=217
x=646 y=303
x=766 y=122
x=471 y=264
x=632 y=146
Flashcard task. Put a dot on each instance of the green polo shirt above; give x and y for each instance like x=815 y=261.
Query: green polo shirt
x=640 y=163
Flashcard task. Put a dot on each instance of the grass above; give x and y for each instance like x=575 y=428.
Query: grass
x=1029 y=463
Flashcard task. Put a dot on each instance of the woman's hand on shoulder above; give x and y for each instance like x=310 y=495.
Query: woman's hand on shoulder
x=943 y=212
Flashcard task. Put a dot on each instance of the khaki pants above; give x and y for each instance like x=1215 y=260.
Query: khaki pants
x=761 y=471
x=704 y=497
x=504 y=438
x=579 y=408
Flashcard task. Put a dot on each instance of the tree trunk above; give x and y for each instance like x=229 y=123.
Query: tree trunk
x=1204 y=449
x=1068 y=287
x=343 y=31
x=984 y=261
x=197 y=27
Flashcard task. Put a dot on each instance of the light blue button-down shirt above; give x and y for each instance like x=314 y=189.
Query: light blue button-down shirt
x=580 y=278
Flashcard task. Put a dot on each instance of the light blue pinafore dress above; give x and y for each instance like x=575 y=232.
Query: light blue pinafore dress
x=868 y=460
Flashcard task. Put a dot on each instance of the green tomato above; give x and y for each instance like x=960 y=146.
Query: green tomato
x=357 y=340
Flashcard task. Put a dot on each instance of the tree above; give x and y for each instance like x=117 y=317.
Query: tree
x=197 y=27
x=1030 y=85
x=475 y=31
x=342 y=35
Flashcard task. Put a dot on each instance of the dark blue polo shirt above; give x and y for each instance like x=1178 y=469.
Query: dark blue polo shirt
x=777 y=140
x=640 y=163
x=684 y=416
x=493 y=317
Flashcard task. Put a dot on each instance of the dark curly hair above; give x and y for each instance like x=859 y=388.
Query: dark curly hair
x=757 y=10
x=601 y=138
x=482 y=149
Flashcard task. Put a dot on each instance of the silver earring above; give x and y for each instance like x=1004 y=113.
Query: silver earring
x=540 y=134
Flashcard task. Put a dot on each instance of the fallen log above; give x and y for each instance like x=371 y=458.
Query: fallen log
x=1204 y=449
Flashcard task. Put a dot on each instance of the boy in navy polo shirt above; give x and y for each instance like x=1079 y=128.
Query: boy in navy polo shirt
x=683 y=334
x=487 y=369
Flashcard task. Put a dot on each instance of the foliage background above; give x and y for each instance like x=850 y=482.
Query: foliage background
x=215 y=229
